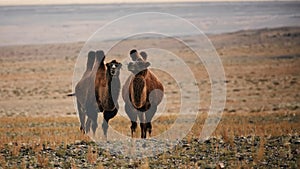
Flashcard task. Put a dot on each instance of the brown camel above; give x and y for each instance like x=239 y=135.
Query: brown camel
x=107 y=89
x=142 y=93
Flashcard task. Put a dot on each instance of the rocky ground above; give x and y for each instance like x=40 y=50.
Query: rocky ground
x=247 y=152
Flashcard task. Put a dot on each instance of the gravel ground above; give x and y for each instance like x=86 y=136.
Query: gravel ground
x=250 y=151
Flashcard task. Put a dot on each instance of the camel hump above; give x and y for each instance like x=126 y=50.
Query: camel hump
x=91 y=54
x=100 y=56
x=100 y=53
x=139 y=92
x=90 y=60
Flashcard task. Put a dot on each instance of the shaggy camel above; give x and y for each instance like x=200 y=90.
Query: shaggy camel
x=98 y=90
x=107 y=89
x=142 y=93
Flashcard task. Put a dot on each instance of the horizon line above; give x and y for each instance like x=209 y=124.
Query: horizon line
x=75 y=2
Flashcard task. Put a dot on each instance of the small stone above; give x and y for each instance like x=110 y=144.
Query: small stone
x=77 y=142
x=297 y=141
x=221 y=165
x=185 y=145
x=264 y=163
x=286 y=144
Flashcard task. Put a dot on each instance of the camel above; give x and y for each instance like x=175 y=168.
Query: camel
x=107 y=89
x=98 y=90
x=142 y=93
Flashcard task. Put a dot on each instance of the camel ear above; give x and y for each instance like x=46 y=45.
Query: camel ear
x=134 y=54
x=107 y=65
x=144 y=55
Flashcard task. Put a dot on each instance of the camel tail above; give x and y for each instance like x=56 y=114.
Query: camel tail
x=72 y=94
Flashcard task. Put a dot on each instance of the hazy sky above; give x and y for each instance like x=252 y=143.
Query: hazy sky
x=32 y=2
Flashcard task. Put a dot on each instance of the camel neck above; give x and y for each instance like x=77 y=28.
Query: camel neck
x=108 y=77
x=100 y=65
x=113 y=87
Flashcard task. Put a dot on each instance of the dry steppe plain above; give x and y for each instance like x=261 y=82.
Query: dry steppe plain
x=39 y=127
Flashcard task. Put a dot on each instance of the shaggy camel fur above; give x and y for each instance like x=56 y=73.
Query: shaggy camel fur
x=107 y=89
x=98 y=90
x=142 y=93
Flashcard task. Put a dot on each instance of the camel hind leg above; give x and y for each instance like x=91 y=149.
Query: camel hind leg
x=95 y=123
x=91 y=122
x=149 y=115
x=155 y=98
x=82 y=114
x=133 y=117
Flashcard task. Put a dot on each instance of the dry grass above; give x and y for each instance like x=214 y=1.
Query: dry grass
x=37 y=131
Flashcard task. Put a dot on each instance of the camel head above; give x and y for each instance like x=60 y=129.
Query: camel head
x=113 y=68
x=139 y=61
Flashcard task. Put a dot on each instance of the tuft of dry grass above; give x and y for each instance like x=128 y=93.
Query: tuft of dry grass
x=43 y=161
x=145 y=164
x=261 y=150
x=92 y=155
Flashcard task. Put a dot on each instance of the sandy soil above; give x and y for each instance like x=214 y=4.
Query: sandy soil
x=261 y=66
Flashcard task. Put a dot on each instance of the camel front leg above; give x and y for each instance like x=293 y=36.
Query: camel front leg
x=107 y=115
x=142 y=124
